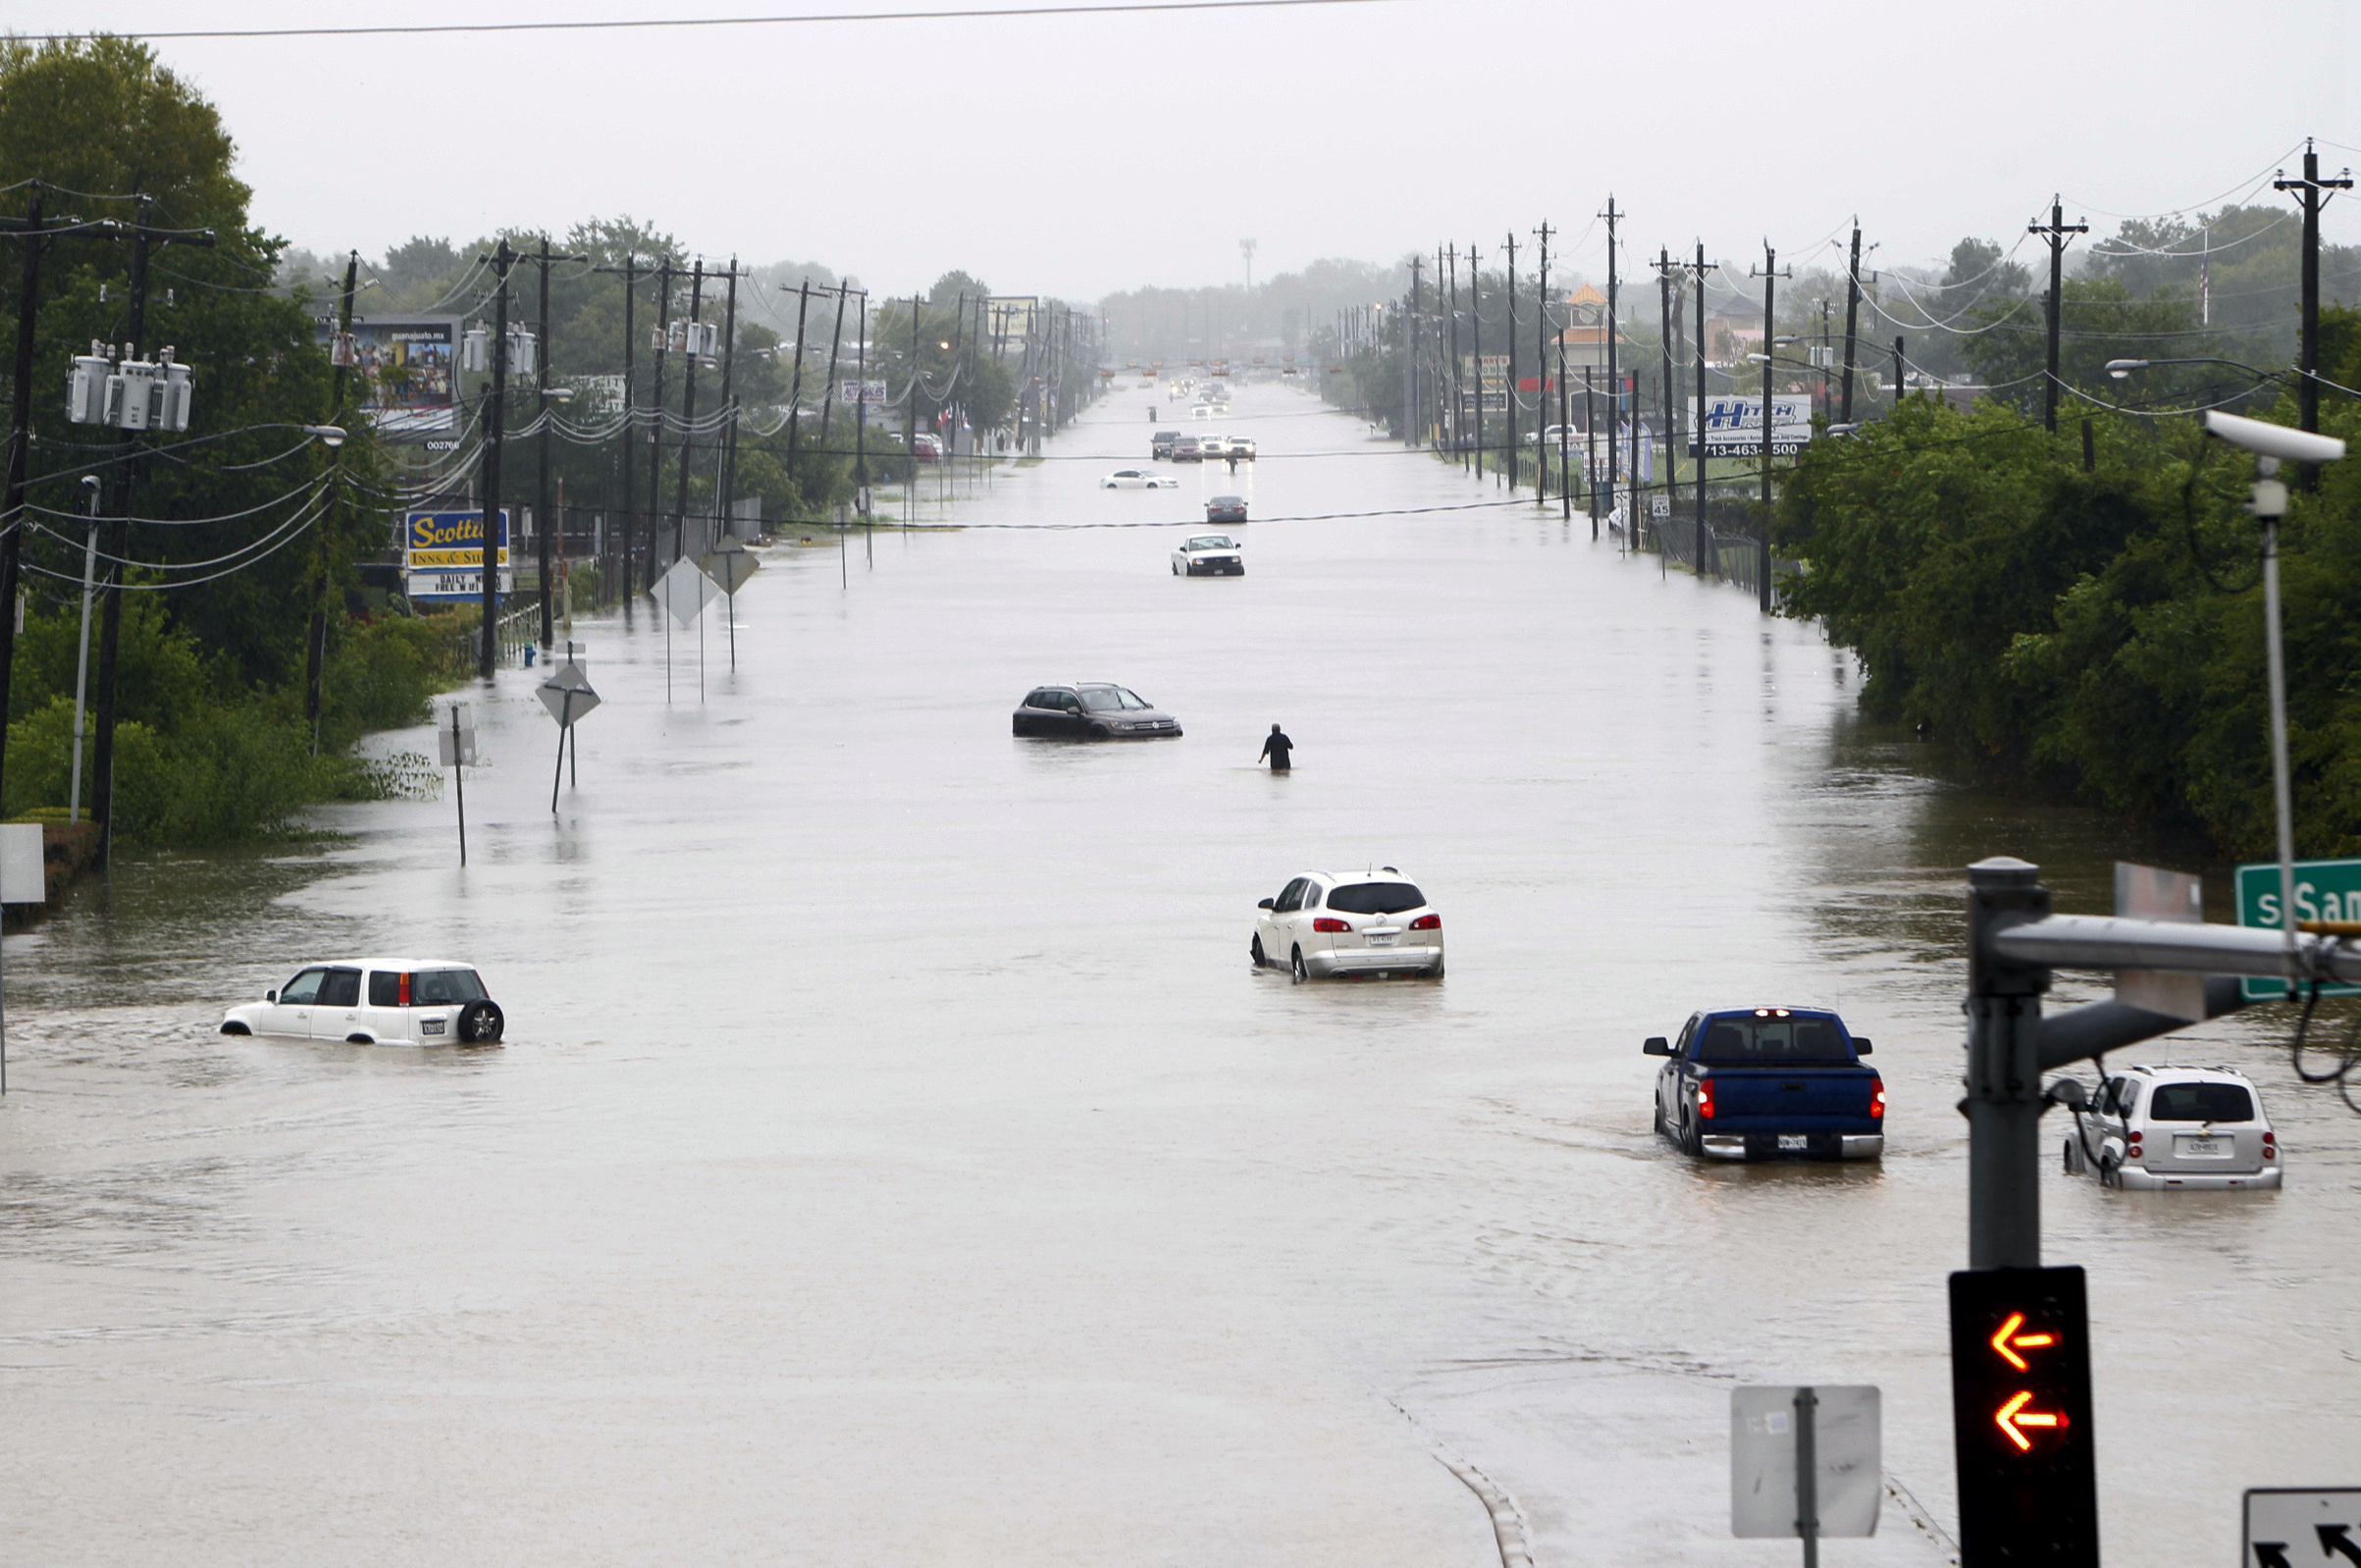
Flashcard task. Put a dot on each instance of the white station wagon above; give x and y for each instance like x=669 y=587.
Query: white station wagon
x=376 y=1002
x=1334 y=923
x=2156 y=1128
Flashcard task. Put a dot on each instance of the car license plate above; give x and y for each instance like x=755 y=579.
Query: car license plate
x=430 y=1025
x=1793 y=1140
x=1381 y=941
x=2191 y=1146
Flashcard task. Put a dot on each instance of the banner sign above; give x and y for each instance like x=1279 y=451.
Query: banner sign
x=1733 y=425
x=407 y=367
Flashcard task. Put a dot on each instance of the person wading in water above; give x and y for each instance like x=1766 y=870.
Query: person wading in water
x=1276 y=747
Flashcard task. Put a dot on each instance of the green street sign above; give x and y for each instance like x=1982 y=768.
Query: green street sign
x=2325 y=890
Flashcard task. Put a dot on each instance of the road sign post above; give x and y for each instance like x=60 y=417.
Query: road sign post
x=1804 y=1463
x=2289 y=1526
x=458 y=749
x=23 y=880
x=568 y=696
x=729 y=567
x=2020 y=1419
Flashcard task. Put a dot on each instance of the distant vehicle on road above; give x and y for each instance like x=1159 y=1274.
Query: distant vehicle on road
x=928 y=448
x=1091 y=710
x=1226 y=509
x=376 y=1002
x=1326 y=924
x=1160 y=444
x=1210 y=554
x=2153 y=1127
x=1240 y=447
x=1201 y=411
x=1139 y=479
x=1187 y=450
x=1756 y=1083
x=1213 y=447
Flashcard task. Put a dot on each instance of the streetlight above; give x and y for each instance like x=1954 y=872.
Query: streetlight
x=2121 y=368
x=330 y=436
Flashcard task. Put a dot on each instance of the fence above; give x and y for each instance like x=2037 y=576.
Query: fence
x=1731 y=547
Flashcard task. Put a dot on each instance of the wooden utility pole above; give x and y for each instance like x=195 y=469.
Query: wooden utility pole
x=1475 y=326
x=1541 y=376
x=2312 y=191
x=1852 y=322
x=495 y=430
x=315 y=633
x=688 y=410
x=1508 y=382
x=1665 y=267
x=2054 y=233
x=1614 y=372
x=1771 y=330
x=1699 y=268
x=656 y=425
x=630 y=271
x=542 y=514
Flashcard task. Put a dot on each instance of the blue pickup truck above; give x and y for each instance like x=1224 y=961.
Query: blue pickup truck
x=1758 y=1083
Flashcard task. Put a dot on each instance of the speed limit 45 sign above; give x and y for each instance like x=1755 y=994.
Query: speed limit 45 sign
x=2303 y=1527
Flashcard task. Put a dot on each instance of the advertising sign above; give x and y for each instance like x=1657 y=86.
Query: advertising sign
x=860 y=392
x=1733 y=425
x=1012 y=316
x=442 y=556
x=408 y=369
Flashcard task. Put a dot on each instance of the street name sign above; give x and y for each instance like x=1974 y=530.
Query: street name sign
x=2296 y=1527
x=2325 y=890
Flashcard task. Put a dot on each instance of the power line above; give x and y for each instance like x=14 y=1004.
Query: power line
x=642 y=24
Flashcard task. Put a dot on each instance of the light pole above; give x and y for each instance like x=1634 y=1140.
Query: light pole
x=81 y=662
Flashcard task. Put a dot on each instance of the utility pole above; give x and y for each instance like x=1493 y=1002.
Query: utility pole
x=315 y=638
x=1410 y=359
x=2054 y=233
x=1565 y=478
x=835 y=341
x=1589 y=452
x=688 y=411
x=1664 y=269
x=1852 y=321
x=540 y=385
x=1475 y=326
x=495 y=429
x=20 y=439
x=1614 y=374
x=655 y=428
x=861 y=421
x=726 y=481
x=1700 y=267
x=1508 y=383
x=1541 y=376
x=2312 y=191
x=794 y=391
x=119 y=546
x=1770 y=282
x=1458 y=412
x=630 y=271
x=1898 y=383
x=910 y=444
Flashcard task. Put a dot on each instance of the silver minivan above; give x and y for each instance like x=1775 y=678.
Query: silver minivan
x=2151 y=1127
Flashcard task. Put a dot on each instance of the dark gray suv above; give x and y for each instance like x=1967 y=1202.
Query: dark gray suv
x=1091 y=710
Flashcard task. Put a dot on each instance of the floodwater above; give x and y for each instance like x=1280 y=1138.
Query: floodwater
x=895 y=1160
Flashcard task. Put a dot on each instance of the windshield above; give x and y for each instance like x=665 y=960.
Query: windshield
x=1772 y=1041
x=1213 y=542
x=1375 y=898
x=441 y=987
x=2200 y=1102
x=1107 y=698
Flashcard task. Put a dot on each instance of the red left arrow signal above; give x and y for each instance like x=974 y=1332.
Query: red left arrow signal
x=2014 y=1416
x=2008 y=1342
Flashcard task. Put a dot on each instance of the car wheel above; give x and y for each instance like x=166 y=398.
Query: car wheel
x=1656 y=1116
x=1100 y=731
x=1256 y=949
x=1692 y=1141
x=1176 y=568
x=1436 y=973
x=480 y=1023
x=2074 y=1162
x=359 y=1039
x=1300 y=970
x=2108 y=1175
x=236 y=1027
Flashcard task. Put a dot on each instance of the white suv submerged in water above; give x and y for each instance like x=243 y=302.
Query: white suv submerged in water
x=2155 y=1127
x=1325 y=924
x=376 y=1002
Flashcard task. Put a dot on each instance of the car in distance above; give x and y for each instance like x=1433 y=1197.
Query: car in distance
x=2154 y=1127
x=376 y=1002
x=1226 y=509
x=1138 y=479
x=1328 y=924
x=1240 y=446
x=1208 y=554
x=927 y=448
x=1213 y=447
x=1160 y=444
x=1201 y=411
x=1186 y=450
x=1756 y=1083
x=1092 y=711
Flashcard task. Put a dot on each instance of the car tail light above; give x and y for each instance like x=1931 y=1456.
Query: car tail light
x=1427 y=922
x=1705 y=1098
x=1324 y=924
x=404 y=998
x=2270 y=1145
x=1877 y=1102
x=2132 y=1153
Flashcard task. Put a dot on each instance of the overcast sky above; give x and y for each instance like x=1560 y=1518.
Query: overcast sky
x=1079 y=155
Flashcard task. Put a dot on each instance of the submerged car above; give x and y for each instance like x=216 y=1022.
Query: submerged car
x=2155 y=1127
x=1240 y=446
x=1095 y=711
x=1185 y=450
x=1138 y=479
x=1226 y=509
x=1160 y=444
x=376 y=1002
x=1214 y=555
x=1757 y=1083
x=1327 y=925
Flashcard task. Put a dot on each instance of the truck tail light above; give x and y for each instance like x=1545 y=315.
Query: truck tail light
x=1877 y=1102
x=1427 y=922
x=1324 y=924
x=1705 y=1098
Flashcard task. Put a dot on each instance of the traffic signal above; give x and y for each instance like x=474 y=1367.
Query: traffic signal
x=2020 y=1419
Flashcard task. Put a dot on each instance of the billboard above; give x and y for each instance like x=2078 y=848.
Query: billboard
x=1011 y=316
x=443 y=555
x=410 y=371
x=1733 y=425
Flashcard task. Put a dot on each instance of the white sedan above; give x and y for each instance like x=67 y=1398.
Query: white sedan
x=376 y=1002
x=1138 y=479
x=1217 y=555
x=1336 y=923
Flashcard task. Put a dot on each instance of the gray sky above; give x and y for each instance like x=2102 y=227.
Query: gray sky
x=1081 y=155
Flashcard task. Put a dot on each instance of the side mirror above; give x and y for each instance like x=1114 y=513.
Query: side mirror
x=270 y=996
x=1264 y=904
x=1860 y=1045
x=1656 y=1045
x=2068 y=1092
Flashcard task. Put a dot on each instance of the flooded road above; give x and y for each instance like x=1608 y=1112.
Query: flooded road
x=894 y=1158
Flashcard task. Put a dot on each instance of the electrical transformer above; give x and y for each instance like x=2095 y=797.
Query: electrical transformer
x=87 y=388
